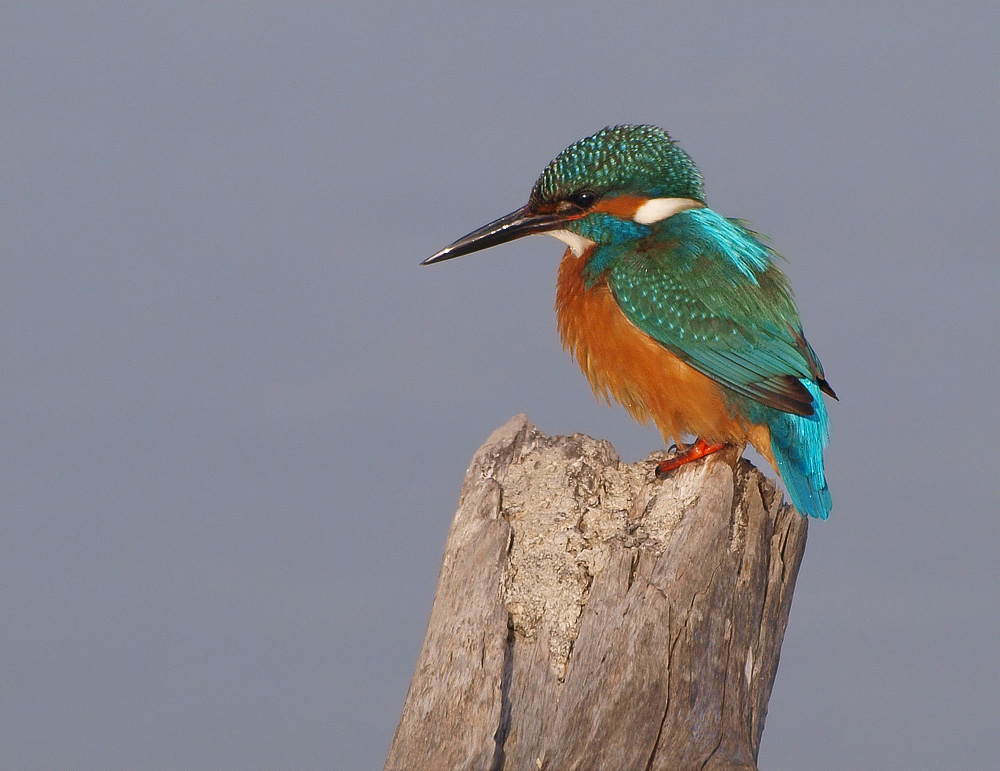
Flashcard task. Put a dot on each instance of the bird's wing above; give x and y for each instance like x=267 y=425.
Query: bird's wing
x=713 y=309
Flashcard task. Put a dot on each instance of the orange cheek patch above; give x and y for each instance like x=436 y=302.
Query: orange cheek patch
x=621 y=206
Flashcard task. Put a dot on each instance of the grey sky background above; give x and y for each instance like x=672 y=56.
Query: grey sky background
x=236 y=414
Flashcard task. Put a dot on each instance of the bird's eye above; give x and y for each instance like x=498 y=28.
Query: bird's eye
x=584 y=199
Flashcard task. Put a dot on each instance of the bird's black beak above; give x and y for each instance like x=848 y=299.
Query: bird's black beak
x=517 y=224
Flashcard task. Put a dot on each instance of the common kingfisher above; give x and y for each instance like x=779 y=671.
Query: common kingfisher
x=678 y=313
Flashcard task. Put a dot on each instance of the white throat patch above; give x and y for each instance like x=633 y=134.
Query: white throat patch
x=657 y=209
x=576 y=243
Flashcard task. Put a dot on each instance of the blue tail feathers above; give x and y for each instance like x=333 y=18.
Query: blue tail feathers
x=797 y=443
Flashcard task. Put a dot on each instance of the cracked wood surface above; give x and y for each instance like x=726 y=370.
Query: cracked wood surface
x=590 y=617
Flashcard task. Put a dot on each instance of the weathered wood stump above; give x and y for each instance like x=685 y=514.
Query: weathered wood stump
x=590 y=617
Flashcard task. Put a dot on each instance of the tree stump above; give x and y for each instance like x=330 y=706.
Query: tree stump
x=590 y=617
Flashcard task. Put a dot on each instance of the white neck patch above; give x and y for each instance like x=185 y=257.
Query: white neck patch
x=657 y=209
x=576 y=243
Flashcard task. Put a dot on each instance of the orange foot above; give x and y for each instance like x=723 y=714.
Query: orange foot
x=699 y=449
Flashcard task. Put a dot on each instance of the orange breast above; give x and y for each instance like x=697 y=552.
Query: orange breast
x=624 y=363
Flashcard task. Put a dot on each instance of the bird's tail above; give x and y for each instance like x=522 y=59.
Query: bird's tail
x=797 y=443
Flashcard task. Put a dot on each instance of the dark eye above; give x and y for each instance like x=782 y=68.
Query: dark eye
x=584 y=199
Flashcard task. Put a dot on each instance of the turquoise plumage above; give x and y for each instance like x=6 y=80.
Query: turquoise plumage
x=678 y=313
x=707 y=289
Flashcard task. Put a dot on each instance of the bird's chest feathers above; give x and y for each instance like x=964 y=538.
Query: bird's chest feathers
x=626 y=364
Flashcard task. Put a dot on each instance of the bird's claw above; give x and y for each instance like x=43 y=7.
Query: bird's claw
x=696 y=451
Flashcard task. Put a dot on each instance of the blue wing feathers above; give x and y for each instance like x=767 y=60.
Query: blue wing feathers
x=708 y=290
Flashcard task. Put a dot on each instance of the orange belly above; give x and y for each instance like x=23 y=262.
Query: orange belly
x=649 y=381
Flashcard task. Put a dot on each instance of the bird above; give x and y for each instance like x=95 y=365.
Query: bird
x=681 y=315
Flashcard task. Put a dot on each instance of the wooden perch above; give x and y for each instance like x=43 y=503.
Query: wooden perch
x=590 y=617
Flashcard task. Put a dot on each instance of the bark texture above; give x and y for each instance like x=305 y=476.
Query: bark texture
x=590 y=617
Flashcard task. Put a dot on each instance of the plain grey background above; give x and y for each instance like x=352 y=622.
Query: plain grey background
x=237 y=414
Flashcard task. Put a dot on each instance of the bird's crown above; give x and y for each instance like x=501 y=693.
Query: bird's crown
x=623 y=159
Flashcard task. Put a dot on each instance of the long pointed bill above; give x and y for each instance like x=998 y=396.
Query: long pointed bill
x=517 y=224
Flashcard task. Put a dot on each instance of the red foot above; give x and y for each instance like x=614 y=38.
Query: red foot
x=699 y=449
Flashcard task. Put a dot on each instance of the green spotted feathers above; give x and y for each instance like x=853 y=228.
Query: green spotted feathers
x=619 y=160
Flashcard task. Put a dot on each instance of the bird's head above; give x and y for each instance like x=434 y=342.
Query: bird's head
x=608 y=188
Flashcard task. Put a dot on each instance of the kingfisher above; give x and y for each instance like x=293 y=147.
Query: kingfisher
x=678 y=313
